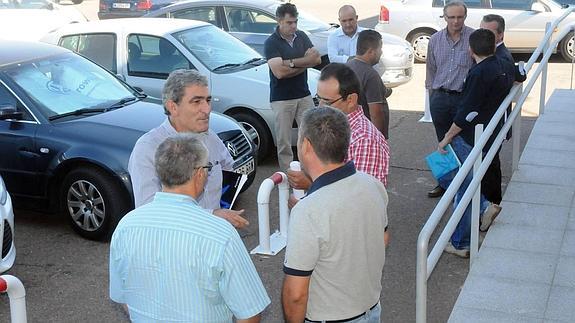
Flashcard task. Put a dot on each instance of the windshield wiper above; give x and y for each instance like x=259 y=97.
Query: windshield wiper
x=121 y=103
x=226 y=66
x=254 y=60
x=78 y=112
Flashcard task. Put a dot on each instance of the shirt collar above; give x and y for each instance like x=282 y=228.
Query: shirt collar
x=174 y=197
x=358 y=113
x=332 y=176
x=339 y=32
x=167 y=125
x=282 y=37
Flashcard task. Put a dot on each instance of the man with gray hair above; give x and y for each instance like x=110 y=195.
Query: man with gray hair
x=171 y=261
x=336 y=247
x=448 y=61
x=186 y=99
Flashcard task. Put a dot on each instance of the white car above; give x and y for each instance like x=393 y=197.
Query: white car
x=144 y=51
x=417 y=20
x=7 y=249
x=31 y=19
x=252 y=21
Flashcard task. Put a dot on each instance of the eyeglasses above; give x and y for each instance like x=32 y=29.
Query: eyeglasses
x=325 y=101
x=209 y=167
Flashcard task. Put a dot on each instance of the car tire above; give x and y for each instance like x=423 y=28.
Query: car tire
x=93 y=202
x=419 y=42
x=257 y=131
x=566 y=47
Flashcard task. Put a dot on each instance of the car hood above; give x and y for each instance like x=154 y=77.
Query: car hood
x=319 y=40
x=389 y=39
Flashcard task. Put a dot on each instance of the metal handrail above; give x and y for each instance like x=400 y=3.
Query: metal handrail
x=426 y=263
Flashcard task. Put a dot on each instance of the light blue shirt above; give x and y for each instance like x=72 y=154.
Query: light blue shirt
x=340 y=46
x=145 y=182
x=171 y=261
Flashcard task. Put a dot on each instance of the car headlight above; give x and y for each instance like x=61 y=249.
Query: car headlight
x=3 y=192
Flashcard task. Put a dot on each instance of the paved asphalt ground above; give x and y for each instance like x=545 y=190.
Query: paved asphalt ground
x=66 y=277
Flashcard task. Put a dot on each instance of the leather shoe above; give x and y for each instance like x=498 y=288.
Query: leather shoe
x=436 y=192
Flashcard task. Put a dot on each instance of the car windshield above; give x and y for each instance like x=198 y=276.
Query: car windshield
x=68 y=82
x=306 y=21
x=216 y=48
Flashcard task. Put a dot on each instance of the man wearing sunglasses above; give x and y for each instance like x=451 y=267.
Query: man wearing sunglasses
x=186 y=100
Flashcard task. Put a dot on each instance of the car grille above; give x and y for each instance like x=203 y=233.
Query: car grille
x=238 y=146
x=7 y=241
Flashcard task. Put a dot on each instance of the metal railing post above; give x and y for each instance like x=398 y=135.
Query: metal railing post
x=544 y=73
x=516 y=134
x=475 y=203
x=421 y=280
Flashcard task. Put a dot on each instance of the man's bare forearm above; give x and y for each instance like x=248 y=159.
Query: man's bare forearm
x=253 y=319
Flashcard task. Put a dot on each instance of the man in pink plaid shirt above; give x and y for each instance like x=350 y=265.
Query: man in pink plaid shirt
x=339 y=88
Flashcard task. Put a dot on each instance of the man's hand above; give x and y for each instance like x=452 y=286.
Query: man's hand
x=298 y=180
x=442 y=144
x=233 y=217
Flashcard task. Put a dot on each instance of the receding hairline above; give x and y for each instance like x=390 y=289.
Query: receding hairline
x=347 y=8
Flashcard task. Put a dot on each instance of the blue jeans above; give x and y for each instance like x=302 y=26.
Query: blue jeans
x=443 y=107
x=371 y=316
x=462 y=235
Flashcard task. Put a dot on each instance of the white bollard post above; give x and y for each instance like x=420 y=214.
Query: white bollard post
x=427 y=114
x=272 y=244
x=17 y=294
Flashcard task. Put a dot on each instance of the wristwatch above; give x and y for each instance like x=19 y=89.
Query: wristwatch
x=291 y=64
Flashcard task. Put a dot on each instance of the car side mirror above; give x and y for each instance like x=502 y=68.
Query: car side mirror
x=9 y=112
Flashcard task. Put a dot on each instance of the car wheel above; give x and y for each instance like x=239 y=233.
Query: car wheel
x=419 y=42
x=566 y=47
x=93 y=202
x=257 y=131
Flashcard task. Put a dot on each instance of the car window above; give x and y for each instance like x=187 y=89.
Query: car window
x=215 y=48
x=67 y=82
x=100 y=48
x=156 y=57
x=25 y=4
x=306 y=21
x=249 y=20
x=7 y=99
x=207 y=14
x=512 y=4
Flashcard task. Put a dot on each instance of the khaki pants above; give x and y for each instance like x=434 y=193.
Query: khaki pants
x=285 y=112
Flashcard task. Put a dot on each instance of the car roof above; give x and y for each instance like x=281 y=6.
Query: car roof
x=152 y=26
x=251 y=3
x=14 y=51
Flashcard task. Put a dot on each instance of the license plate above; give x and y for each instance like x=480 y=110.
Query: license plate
x=121 y=5
x=246 y=168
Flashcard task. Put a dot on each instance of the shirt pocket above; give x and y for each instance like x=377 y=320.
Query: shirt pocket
x=463 y=59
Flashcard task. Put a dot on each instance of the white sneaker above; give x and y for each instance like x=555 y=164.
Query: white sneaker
x=488 y=216
x=463 y=253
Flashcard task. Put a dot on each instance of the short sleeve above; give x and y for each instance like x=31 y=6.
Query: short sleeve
x=115 y=269
x=302 y=251
x=271 y=49
x=374 y=89
x=240 y=284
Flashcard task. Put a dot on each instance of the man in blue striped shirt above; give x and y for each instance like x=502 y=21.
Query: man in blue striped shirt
x=172 y=261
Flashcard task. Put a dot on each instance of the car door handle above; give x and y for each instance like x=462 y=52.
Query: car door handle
x=29 y=154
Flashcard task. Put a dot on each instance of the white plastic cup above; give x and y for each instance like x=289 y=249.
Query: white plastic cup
x=295 y=165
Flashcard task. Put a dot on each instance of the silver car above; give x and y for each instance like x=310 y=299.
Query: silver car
x=7 y=249
x=253 y=21
x=144 y=51
x=417 y=20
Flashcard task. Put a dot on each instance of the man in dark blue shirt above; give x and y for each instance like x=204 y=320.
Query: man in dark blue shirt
x=486 y=86
x=491 y=183
x=289 y=53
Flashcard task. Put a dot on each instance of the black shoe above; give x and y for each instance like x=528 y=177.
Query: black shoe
x=388 y=92
x=436 y=192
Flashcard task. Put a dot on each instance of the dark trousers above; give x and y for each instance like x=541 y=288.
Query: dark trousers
x=443 y=107
x=491 y=182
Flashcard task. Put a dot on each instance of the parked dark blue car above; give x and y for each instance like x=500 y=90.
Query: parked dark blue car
x=67 y=128
x=129 y=8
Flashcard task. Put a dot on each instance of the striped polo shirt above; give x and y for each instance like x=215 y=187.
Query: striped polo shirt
x=171 y=261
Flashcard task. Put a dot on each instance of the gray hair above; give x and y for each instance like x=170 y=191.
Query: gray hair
x=177 y=82
x=498 y=19
x=454 y=3
x=327 y=129
x=178 y=157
